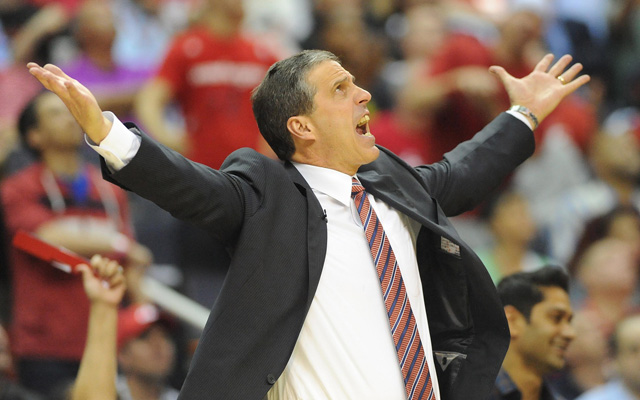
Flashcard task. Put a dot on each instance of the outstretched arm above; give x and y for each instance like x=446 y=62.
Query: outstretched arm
x=476 y=167
x=104 y=285
x=78 y=99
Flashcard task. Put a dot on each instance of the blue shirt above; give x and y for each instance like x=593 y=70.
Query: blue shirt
x=611 y=390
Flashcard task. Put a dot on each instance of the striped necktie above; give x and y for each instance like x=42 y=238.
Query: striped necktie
x=413 y=363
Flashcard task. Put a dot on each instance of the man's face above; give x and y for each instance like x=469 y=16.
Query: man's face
x=544 y=339
x=151 y=355
x=338 y=122
x=56 y=128
x=628 y=357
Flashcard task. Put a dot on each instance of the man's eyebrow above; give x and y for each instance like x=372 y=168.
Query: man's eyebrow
x=343 y=80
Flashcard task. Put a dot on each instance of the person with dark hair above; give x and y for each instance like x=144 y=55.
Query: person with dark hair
x=513 y=229
x=339 y=251
x=63 y=200
x=539 y=315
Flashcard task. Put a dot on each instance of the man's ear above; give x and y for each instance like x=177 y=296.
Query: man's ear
x=300 y=128
x=517 y=321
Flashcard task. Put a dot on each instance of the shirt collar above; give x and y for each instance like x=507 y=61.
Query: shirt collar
x=509 y=390
x=333 y=183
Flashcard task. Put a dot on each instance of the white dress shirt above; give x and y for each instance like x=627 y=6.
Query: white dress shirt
x=345 y=349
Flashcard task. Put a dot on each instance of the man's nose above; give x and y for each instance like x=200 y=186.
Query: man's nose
x=569 y=331
x=363 y=97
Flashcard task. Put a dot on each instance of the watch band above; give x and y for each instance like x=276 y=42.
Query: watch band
x=526 y=112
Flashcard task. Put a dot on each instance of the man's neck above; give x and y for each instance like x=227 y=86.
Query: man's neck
x=144 y=389
x=62 y=163
x=220 y=25
x=528 y=381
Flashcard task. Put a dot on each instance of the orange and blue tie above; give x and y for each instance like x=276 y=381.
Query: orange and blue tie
x=413 y=363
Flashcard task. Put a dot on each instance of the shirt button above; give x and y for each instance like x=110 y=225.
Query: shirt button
x=271 y=379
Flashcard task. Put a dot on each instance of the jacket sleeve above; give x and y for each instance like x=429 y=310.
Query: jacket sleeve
x=211 y=199
x=468 y=173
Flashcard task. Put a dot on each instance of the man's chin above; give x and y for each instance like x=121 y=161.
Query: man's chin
x=375 y=153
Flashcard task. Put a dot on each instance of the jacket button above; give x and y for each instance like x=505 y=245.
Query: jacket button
x=271 y=379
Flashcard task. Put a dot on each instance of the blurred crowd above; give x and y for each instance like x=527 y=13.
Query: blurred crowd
x=183 y=71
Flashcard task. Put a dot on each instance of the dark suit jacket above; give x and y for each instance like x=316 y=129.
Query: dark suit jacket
x=273 y=225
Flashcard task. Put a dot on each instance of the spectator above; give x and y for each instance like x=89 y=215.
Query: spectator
x=458 y=93
x=146 y=355
x=144 y=29
x=615 y=158
x=104 y=285
x=5 y=287
x=608 y=275
x=115 y=86
x=621 y=223
x=63 y=200
x=539 y=315
x=209 y=71
x=513 y=230
x=626 y=352
x=402 y=129
x=9 y=390
x=588 y=363
x=27 y=30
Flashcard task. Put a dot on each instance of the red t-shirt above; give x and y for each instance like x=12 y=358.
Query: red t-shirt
x=50 y=309
x=212 y=79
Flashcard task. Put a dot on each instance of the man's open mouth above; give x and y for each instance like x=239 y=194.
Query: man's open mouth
x=363 y=128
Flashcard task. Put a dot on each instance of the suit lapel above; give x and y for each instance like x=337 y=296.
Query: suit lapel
x=384 y=187
x=411 y=200
x=316 y=230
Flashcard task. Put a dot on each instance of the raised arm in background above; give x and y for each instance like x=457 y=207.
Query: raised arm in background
x=104 y=285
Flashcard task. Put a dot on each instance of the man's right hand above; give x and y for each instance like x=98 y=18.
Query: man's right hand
x=78 y=99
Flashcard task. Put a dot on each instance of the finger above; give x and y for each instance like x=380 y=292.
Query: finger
x=572 y=72
x=96 y=260
x=49 y=81
x=501 y=73
x=110 y=269
x=117 y=280
x=55 y=70
x=543 y=64
x=576 y=83
x=560 y=66
x=86 y=271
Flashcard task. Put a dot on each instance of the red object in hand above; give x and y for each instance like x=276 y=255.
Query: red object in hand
x=59 y=257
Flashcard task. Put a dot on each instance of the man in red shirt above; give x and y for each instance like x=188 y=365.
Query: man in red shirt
x=64 y=201
x=209 y=71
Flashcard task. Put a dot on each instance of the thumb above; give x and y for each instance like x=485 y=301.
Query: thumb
x=86 y=271
x=501 y=73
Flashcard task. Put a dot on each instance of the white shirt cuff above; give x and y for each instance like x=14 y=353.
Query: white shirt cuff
x=119 y=146
x=521 y=118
